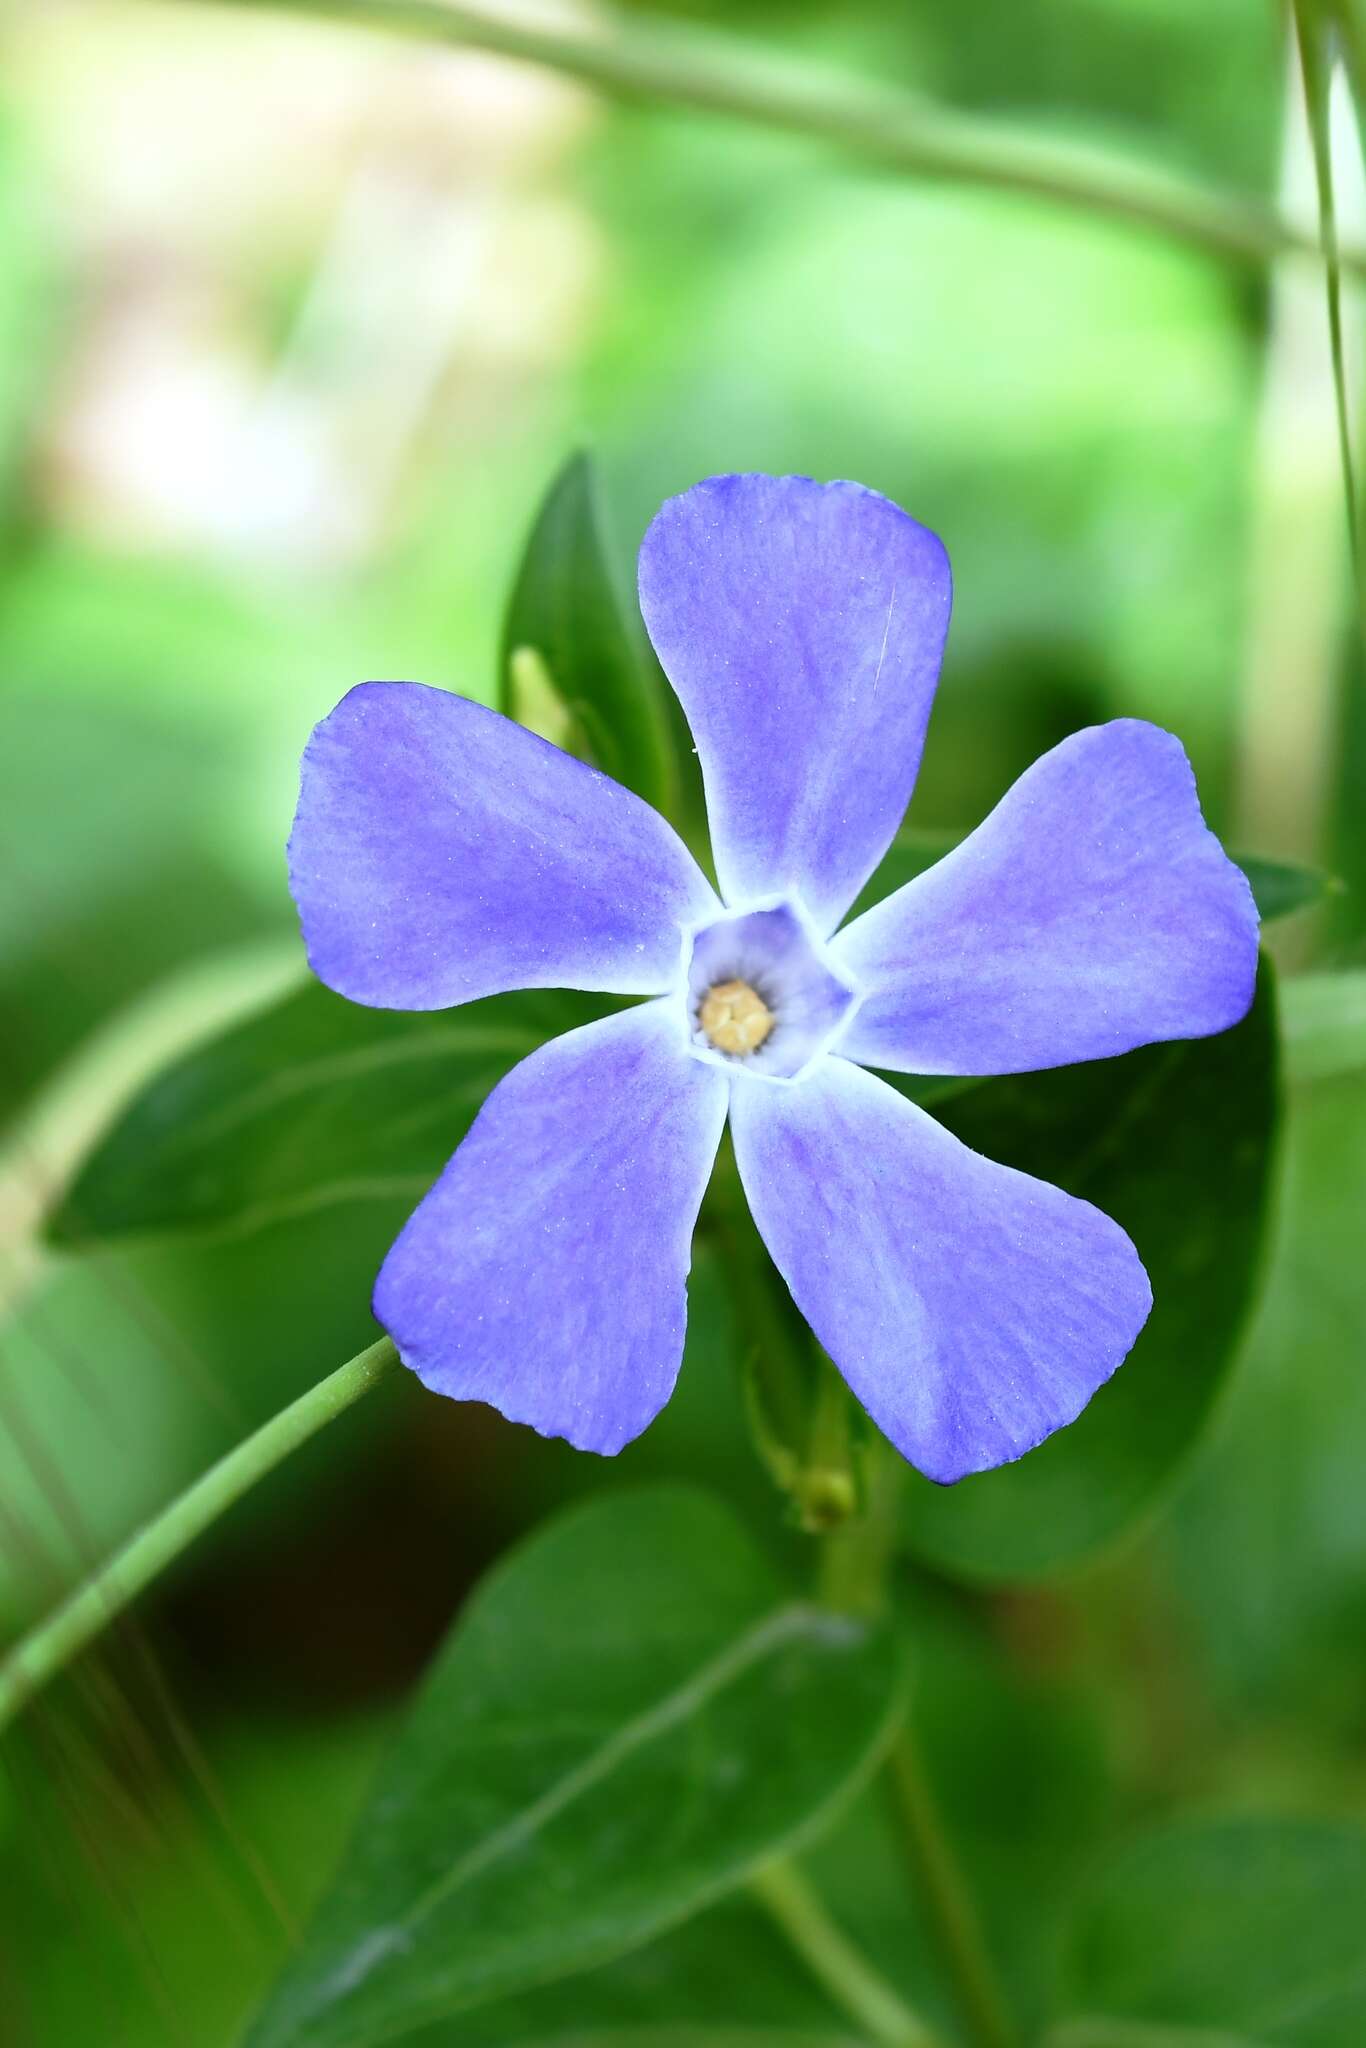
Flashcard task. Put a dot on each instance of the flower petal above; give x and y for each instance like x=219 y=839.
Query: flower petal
x=972 y=1309
x=441 y=852
x=1092 y=912
x=802 y=626
x=545 y=1272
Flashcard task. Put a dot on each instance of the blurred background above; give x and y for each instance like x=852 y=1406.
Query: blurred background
x=296 y=322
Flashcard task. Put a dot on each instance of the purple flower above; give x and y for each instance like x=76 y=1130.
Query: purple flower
x=441 y=853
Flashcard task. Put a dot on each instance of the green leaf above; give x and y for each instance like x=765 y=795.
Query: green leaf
x=565 y=608
x=314 y=1101
x=1243 y=1931
x=1176 y=1143
x=1324 y=1024
x=1282 y=887
x=726 y=1979
x=627 y=1722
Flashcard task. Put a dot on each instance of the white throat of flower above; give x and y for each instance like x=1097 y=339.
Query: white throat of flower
x=760 y=991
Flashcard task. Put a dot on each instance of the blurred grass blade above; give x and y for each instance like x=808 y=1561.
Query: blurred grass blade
x=565 y=613
x=683 y=66
x=629 y=1720
x=1316 y=39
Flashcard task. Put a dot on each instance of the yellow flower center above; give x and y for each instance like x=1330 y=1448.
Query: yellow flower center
x=735 y=1017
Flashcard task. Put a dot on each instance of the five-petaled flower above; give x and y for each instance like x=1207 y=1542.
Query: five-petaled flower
x=441 y=853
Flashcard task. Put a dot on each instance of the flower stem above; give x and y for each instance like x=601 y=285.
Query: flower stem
x=833 y=1960
x=855 y=1567
x=41 y=1654
x=856 y=1557
x=690 y=67
x=947 y=1900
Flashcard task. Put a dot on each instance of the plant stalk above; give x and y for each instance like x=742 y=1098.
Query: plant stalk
x=682 y=66
x=948 y=1903
x=41 y=1654
x=836 y=1964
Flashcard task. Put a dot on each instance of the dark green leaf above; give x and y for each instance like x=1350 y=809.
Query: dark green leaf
x=1281 y=887
x=626 y=1723
x=1176 y=1143
x=565 y=606
x=316 y=1100
x=726 y=1979
x=1245 y=1931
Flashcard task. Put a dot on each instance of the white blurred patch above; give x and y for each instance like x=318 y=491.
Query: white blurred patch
x=319 y=261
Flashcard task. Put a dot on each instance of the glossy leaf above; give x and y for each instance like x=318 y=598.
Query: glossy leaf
x=565 y=607
x=1176 y=1143
x=629 y=1719
x=314 y=1101
x=1245 y=1932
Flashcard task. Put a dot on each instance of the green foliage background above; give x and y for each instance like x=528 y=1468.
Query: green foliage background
x=296 y=327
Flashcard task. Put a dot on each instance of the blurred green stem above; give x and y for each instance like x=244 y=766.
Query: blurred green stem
x=92 y=1607
x=1316 y=39
x=856 y=1557
x=1290 y=708
x=870 y=2001
x=948 y=1902
x=855 y=1567
x=684 y=66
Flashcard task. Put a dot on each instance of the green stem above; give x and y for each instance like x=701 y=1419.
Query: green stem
x=53 y=1643
x=856 y=1558
x=689 y=67
x=948 y=1902
x=829 y=1485
x=854 y=1572
x=851 y=1980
